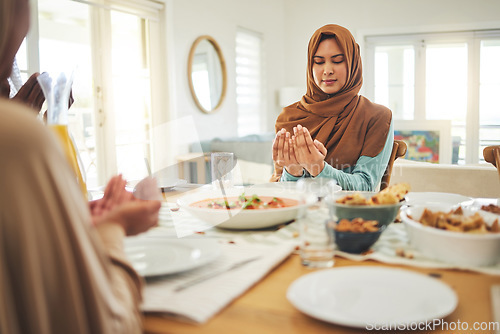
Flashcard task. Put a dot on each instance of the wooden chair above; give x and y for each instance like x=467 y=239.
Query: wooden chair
x=492 y=155
x=398 y=150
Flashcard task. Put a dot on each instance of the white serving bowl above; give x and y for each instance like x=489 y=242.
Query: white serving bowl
x=458 y=248
x=245 y=219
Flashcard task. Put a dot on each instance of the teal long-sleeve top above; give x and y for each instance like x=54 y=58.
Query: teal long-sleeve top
x=364 y=176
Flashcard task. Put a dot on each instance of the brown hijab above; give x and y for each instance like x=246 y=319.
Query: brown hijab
x=349 y=125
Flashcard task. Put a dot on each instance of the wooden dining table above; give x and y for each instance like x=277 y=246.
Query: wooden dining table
x=264 y=308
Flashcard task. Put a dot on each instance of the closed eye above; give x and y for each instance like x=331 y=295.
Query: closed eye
x=338 y=59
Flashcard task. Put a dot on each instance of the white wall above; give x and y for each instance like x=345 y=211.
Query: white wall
x=287 y=26
x=220 y=19
x=363 y=17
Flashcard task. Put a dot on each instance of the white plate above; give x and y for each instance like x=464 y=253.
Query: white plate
x=432 y=198
x=369 y=296
x=166 y=184
x=244 y=219
x=162 y=256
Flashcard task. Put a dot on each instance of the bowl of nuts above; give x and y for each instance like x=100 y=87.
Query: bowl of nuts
x=356 y=236
x=463 y=236
x=382 y=206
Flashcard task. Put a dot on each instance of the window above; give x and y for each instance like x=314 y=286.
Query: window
x=249 y=81
x=489 y=89
x=109 y=46
x=395 y=84
x=440 y=76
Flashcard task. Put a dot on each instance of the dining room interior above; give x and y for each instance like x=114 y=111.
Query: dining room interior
x=432 y=63
x=161 y=85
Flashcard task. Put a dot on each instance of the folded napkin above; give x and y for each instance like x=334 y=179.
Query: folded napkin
x=201 y=301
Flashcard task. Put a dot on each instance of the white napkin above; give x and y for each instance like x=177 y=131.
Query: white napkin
x=200 y=302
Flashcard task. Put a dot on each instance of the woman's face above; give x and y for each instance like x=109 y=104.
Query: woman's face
x=329 y=66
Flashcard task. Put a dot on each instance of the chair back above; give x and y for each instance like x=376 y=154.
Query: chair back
x=492 y=155
x=398 y=150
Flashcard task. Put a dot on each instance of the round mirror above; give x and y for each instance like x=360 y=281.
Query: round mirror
x=207 y=74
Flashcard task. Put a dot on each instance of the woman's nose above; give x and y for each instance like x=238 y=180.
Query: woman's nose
x=328 y=69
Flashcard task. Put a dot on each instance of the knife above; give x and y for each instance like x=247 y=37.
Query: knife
x=214 y=273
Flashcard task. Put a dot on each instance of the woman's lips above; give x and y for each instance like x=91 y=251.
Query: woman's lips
x=329 y=82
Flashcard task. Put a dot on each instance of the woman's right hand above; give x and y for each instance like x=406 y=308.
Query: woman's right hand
x=310 y=153
x=120 y=206
x=284 y=154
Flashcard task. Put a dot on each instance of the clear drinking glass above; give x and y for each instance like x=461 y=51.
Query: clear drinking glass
x=317 y=243
x=222 y=164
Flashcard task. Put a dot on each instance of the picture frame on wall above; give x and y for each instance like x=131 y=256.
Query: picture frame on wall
x=427 y=141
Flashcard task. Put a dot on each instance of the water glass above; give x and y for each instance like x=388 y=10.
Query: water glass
x=222 y=164
x=317 y=243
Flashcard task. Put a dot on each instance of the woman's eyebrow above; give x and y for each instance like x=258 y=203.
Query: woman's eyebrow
x=334 y=56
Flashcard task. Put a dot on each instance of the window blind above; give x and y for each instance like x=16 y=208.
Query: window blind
x=248 y=81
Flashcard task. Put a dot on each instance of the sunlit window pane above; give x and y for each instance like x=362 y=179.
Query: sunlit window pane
x=131 y=81
x=395 y=79
x=489 y=90
x=446 y=89
x=446 y=82
x=65 y=46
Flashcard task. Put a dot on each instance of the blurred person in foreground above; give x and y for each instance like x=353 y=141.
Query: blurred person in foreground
x=62 y=264
x=333 y=132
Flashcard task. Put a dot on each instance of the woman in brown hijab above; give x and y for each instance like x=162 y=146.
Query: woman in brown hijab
x=333 y=132
x=59 y=273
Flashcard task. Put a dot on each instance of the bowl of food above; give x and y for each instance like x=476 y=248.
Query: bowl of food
x=462 y=236
x=356 y=236
x=382 y=206
x=245 y=207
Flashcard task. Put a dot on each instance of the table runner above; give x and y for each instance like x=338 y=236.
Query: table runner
x=385 y=249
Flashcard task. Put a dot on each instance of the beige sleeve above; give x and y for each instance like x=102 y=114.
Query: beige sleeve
x=58 y=274
x=125 y=282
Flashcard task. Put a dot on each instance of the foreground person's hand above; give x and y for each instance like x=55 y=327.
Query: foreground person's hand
x=120 y=206
x=31 y=93
x=114 y=194
x=135 y=216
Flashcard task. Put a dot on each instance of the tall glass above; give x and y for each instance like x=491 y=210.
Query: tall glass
x=222 y=164
x=317 y=245
x=57 y=91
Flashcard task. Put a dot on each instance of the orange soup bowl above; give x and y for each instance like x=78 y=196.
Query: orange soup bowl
x=224 y=213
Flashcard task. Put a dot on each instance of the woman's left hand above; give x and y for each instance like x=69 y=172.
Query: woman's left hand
x=309 y=153
x=114 y=195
